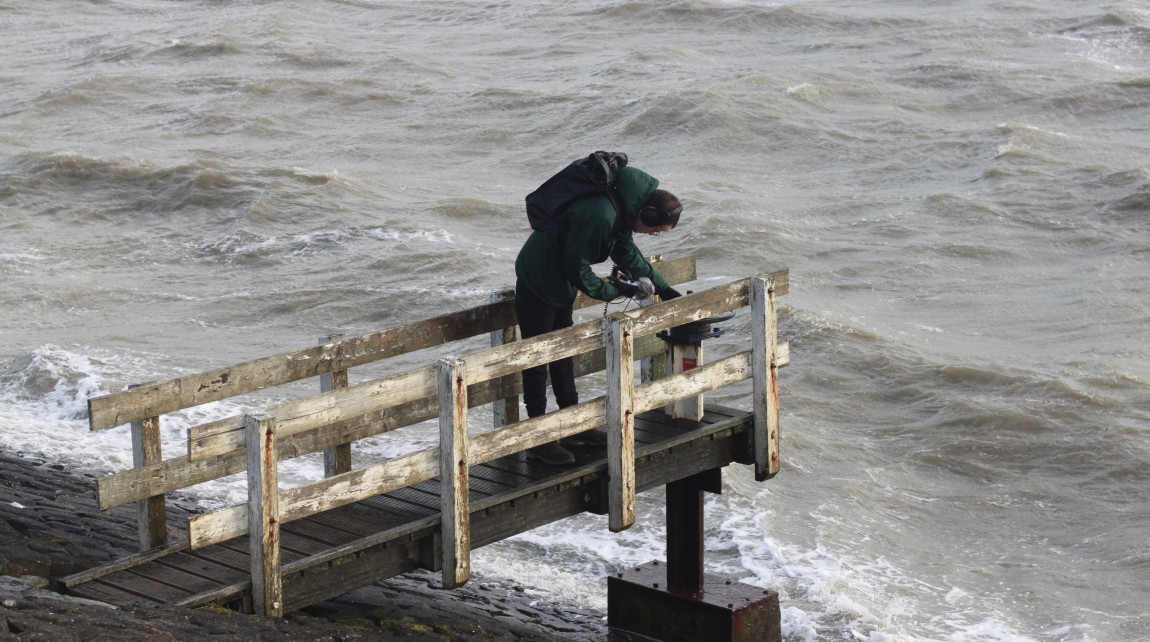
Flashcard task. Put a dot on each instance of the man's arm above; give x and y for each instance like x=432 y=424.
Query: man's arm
x=628 y=257
x=585 y=235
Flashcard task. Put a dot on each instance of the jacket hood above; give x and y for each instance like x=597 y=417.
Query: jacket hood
x=635 y=187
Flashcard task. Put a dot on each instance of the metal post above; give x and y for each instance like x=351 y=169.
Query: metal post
x=685 y=536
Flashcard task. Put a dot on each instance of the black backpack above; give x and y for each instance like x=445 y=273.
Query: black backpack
x=595 y=174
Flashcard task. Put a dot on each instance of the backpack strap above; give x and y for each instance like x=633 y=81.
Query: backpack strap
x=617 y=204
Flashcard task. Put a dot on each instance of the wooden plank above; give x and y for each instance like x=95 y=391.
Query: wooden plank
x=325 y=581
x=337 y=458
x=316 y=529
x=176 y=578
x=408 y=530
x=620 y=421
x=455 y=490
x=118 y=408
x=116 y=566
x=705 y=378
x=225 y=593
x=151 y=513
x=358 y=520
x=101 y=592
x=131 y=581
x=495 y=476
x=227 y=557
x=765 y=387
x=219 y=437
x=263 y=517
x=204 y=567
x=392 y=505
x=153 y=400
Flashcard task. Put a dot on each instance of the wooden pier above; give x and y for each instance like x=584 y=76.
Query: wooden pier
x=288 y=548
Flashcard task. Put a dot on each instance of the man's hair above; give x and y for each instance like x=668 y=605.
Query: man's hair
x=668 y=206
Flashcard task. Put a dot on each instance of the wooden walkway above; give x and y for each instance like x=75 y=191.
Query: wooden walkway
x=330 y=553
x=285 y=549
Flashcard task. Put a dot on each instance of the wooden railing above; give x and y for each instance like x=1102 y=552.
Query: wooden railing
x=446 y=389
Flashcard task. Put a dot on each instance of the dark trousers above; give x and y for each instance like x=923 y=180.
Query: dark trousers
x=536 y=318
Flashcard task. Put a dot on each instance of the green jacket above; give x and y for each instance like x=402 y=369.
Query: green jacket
x=554 y=264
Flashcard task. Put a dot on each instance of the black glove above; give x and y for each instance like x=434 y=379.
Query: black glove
x=669 y=293
x=625 y=289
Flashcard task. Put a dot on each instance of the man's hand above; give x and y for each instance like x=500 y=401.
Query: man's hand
x=641 y=290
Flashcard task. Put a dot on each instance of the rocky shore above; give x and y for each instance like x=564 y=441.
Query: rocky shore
x=50 y=527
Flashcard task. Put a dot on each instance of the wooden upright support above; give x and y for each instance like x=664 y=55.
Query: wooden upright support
x=620 y=420
x=263 y=515
x=455 y=517
x=765 y=369
x=337 y=459
x=504 y=411
x=152 y=514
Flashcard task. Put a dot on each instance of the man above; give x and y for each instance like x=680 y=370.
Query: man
x=554 y=265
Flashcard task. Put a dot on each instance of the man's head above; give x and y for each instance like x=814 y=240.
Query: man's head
x=659 y=214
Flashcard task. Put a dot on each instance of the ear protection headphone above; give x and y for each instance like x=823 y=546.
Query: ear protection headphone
x=652 y=217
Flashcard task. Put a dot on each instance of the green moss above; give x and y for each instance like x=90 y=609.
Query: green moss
x=399 y=625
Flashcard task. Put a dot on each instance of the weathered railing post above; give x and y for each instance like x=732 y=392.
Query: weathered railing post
x=263 y=514
x=764 y=365
x=337 y=459
x=620 y=421
x=506 y=410
x=152 y=514
x=455 y=517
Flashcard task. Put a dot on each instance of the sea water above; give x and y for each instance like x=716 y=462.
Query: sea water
x=960 y=190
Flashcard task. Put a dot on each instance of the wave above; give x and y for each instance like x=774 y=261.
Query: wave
x=120 y=186
x=186 y=50
x=758 y=17
x=1129 y=193
x=1117 y=23
x=120 y=190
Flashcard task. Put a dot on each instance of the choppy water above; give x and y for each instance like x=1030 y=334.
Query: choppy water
x=960 y=190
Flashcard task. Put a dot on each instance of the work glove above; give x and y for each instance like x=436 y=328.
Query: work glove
x=640 y=290
x=669 y=293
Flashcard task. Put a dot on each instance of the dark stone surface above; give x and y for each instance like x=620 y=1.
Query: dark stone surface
x=50 y=527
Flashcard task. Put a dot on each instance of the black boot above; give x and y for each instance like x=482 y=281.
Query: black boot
x=551 y=453
x=585 y=438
